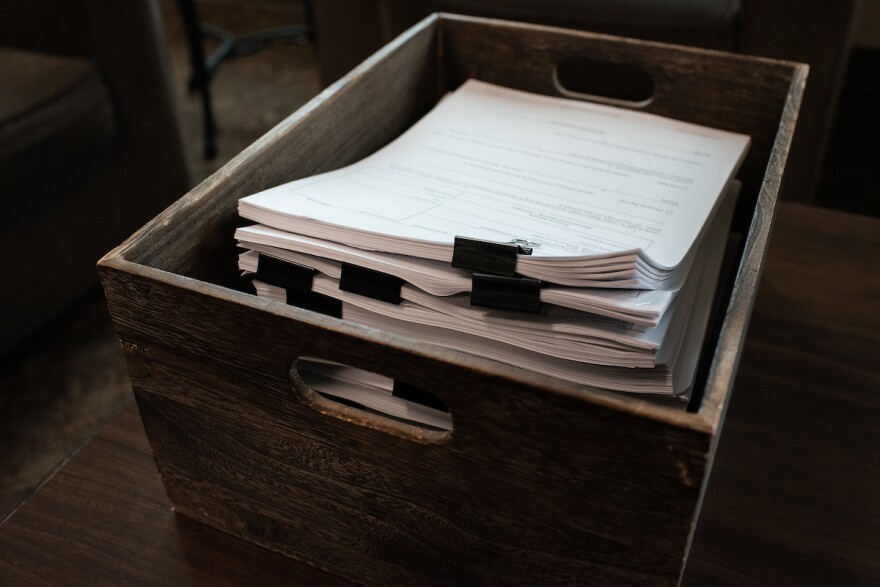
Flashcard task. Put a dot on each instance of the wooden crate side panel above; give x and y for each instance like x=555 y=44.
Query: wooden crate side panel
x=733 y=333
x=530 y=479
x=371 y=537
x=345 y=123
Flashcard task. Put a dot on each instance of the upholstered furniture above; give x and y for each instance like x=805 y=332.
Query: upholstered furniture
x=812 y=31
x=90 y=146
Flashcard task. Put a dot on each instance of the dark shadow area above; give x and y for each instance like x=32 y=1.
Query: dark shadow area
x=57 y=390
x=851 y=176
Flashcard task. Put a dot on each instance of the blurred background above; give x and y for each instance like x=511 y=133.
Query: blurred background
x=100 y=129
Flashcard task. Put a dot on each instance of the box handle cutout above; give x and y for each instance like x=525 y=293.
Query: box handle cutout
x=618 y=84
x=372 y=400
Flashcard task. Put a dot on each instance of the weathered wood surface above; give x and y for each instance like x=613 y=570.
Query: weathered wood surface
x=541 y=480
x=534 y=483
x=794 y=498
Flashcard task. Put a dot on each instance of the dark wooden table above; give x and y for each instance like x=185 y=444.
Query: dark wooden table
x=794 y=498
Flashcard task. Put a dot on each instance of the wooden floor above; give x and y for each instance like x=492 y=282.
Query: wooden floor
x=55 y=393
x=60 y=387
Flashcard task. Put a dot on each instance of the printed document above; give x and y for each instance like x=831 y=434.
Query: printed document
x=591 y=189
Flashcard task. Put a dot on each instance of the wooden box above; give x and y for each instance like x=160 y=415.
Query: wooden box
x=541 y=481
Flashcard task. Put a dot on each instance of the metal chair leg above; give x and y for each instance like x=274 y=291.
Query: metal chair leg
x=231 y=46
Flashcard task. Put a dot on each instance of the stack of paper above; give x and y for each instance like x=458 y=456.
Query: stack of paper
x=369 y=391
x=617 y=221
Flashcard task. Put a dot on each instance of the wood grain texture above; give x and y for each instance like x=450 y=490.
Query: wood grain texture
x=105 y=521
x=793 y=498
x=542 y=480
x=239 y=451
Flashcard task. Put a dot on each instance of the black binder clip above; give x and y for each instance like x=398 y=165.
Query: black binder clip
x=297 y=281
x=370 y=283
x=522 y=294
x=315 y=302
x=486 y=256
x=290 y=276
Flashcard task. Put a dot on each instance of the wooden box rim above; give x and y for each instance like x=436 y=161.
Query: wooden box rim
x=727 y=349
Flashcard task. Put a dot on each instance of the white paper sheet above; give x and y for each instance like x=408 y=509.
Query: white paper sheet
x=583 y=184
x=641 y=306
x=369 y=390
